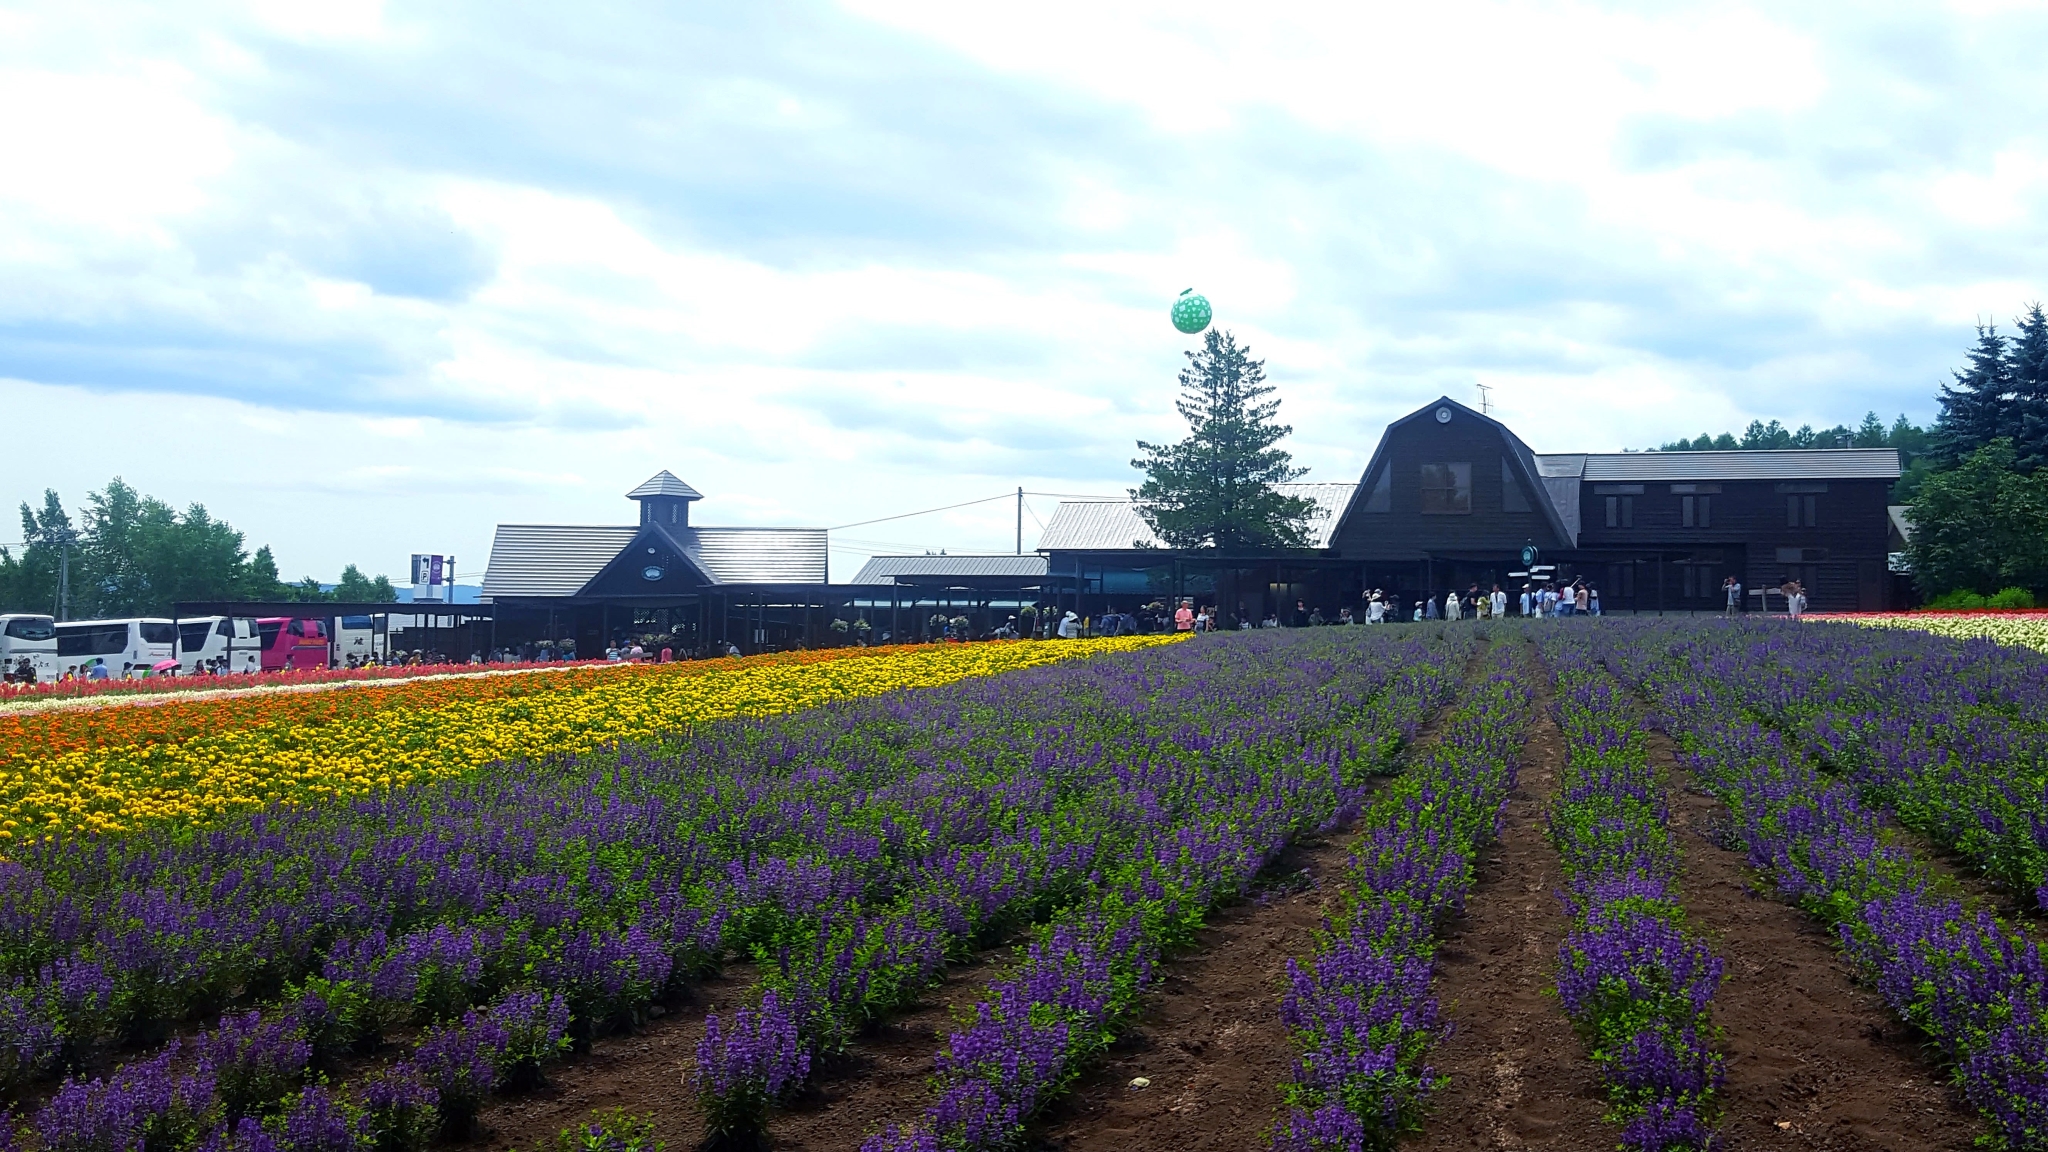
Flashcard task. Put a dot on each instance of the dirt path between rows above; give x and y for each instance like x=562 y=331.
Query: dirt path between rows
x=1211 y=1042
x=642 y=1072
x=1518 y=1076
x=1814 y=1060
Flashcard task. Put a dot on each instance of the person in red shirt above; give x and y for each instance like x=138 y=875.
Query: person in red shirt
x=1184 y=617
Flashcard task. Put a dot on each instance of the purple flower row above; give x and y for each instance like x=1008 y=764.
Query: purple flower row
x=1361 y=1010
x=1083 y=976
x=1949 y=737
x=245 y=1089
x=1636 y=981
x=1974 y=985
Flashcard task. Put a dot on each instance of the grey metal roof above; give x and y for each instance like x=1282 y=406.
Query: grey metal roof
x=756 y=555
x=1771 y=464
x=1571 y=464
x=664 y=483
x=550 y=559
x=560 y=559
x=1902 y=521
x=885 y=569
x=1112 y=524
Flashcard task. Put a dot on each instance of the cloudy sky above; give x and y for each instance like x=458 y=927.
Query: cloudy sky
x=367 y=279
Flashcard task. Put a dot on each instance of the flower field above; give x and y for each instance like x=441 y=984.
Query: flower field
x=2020 y=629
x=111 y=769
x=922 y=900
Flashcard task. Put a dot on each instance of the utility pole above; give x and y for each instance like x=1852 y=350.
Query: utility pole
x=1020 y=519
x=65 y=537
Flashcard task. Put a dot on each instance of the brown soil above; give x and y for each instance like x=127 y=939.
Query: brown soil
x=1814 y=1060
x=1210 y=1041
x=1518 y=1076
x=885 y=1079
x=642 y=1072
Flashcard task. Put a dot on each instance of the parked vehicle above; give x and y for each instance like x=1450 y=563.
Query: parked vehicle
x=355 y=641
x=25 y=634
x=231 y=643
x=293 y=642
x=130 y=647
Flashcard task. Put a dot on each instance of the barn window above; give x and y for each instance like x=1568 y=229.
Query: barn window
x=1446 y=489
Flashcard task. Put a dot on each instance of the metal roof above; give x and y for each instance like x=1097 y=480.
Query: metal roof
x=1902 y=520
x=1768 y=464
x=1106 y=525
x=1571 y=464
x=886 y=569
x=560 y=559
x=550 y=559
x=664 y=483
x=756 y=555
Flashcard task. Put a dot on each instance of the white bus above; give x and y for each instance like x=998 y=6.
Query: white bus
x=130 y=647
x=227 y=643
x=34 y=637
x=355 y=642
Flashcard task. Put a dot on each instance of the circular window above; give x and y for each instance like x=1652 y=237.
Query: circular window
x=1443 y=415
x=651 y=572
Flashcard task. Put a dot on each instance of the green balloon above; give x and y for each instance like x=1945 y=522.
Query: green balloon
x=1191 y=312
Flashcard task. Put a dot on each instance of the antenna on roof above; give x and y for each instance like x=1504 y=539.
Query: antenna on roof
x=1485 y=399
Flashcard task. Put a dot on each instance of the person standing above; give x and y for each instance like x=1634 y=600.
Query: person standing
x=1795 y=601
x=1451 y=605
x=1500 y=602
x=1580 y=598
x=1734 y=588
x=1525 y=601
x=1593 y=598
x=1184 y=617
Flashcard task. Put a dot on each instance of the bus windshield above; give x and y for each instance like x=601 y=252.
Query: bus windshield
x=159 y=632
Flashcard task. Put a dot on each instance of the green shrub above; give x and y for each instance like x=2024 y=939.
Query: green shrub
x=1962 y=599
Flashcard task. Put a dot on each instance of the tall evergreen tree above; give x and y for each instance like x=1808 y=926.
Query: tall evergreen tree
x=1976 y=409
x=1215 y=488
x=2027 y=364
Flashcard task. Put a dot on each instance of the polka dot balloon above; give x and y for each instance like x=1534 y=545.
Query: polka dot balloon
x=1191 y=312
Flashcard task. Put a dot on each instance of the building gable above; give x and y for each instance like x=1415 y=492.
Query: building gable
x=1447 y=479
x=653 y=564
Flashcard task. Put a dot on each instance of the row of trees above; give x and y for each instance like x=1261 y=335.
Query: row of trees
x=1912 y=441
x=129 y=554
x=1980 y=518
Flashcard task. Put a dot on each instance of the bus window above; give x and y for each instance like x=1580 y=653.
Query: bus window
x=192 y=637
x=158 y=632
x=223 y=630
x=31 y=628
x=269 y=629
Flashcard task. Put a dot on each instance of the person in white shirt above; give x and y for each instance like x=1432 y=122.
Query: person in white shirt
x=1451 y=605
x=1500 y=602
x=1525 y=599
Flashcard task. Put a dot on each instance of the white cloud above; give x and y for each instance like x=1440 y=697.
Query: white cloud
x=827 y=265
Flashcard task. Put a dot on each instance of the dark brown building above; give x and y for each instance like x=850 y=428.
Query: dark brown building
x=1452 y=498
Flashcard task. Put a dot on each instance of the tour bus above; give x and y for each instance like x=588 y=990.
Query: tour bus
x=230 y=643
x=25 y=634
x=129 y=647
x=293 y=642
x=355 y=638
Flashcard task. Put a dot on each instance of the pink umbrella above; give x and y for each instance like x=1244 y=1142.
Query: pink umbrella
x=164 y=666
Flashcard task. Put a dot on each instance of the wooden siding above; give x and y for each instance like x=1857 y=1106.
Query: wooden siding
x=1404 y=532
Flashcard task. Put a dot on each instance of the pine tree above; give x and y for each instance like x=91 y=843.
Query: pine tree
x=2027 y=364
x=1215 y=488
x=1976 y=409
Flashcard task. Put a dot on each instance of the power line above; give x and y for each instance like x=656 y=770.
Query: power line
x=925 y=512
